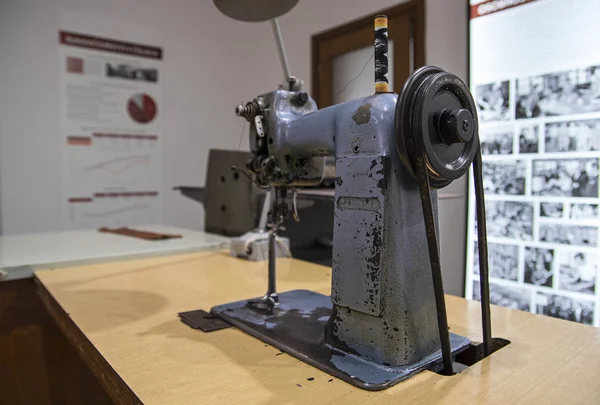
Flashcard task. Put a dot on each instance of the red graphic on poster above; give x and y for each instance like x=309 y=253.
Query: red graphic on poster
x=141 y=108
x=74 y=65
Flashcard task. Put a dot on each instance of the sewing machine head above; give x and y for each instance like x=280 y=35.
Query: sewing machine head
x=392 y=153
x=288 y=140
x=276 y=161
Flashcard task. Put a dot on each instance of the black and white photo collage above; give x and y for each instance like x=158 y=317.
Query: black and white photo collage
x=540 y=140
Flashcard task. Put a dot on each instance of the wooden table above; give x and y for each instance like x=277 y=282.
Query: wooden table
x=122 y=318
x=37 y=364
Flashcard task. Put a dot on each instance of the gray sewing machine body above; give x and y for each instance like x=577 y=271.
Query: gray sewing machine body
x=382 y=307
x=381 y=282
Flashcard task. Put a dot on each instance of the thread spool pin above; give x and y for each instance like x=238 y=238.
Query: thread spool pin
x=381 y=54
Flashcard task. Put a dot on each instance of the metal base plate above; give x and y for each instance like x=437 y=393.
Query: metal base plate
x=297 y=327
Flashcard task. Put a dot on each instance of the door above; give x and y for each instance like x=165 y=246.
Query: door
x=343 y=65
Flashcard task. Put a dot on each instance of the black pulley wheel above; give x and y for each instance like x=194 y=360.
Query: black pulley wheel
x=437 y=113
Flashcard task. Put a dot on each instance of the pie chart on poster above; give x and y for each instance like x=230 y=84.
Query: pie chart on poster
x=141 y=108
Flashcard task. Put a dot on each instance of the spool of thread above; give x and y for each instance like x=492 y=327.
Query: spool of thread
x=381 y=54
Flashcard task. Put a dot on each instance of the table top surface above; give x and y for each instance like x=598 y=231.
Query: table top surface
x=54 y=249
x=128 y=311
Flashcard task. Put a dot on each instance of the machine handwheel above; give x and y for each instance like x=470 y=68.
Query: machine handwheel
x=437 y=110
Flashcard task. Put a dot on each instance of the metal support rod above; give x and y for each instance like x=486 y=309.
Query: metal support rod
x=272 y=287
x=434 y=258
x=281 y=49
x=262 y=224
x=483 y=255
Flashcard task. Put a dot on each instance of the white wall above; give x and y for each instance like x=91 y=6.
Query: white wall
x=446 y=41
x=211 y=64
x=353 y=74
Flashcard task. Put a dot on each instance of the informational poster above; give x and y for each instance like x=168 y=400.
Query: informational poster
x=535 y=73
x=111 y=131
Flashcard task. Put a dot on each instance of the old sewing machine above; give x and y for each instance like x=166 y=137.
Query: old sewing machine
x=386 y=317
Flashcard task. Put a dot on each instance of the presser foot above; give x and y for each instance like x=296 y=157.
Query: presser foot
x=297 y=328
x=266 y=304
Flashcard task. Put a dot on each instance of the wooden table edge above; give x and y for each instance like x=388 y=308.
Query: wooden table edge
x=106 y=375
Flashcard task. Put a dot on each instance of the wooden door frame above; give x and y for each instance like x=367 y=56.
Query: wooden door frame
x=323 y=66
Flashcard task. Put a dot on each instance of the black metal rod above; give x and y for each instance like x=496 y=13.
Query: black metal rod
x=436 y=270
x=272 y=288
x=484 y=284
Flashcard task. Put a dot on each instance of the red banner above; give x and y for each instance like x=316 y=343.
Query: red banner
x=493 y=6
x=109 y=45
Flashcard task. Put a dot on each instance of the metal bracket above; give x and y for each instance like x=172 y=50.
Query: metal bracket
x=202 y=320
x=260 y=132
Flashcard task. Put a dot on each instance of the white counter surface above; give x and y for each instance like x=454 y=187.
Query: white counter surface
x=20 y=255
